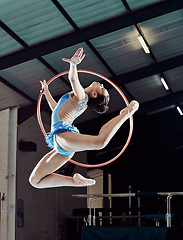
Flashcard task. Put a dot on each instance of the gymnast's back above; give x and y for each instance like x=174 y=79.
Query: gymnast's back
x=68 y=109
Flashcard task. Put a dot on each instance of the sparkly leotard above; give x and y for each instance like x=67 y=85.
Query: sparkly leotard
x=65 y=112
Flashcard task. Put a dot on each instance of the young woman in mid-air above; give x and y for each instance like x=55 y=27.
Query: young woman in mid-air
x=64 y=138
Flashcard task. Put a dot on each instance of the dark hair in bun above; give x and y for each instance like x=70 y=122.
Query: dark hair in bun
x=99 y=104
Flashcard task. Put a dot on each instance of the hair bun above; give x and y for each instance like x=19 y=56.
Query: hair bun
x=99 y=104
x=101 y=109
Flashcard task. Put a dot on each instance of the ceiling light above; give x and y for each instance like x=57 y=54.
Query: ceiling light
x=161 y=110
x=144 y=45
x=179 y=110
x=164 y=83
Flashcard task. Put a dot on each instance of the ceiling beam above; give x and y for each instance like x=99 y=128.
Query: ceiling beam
x=91 y=32
x=18 y=91
x=26 y=112
x=160 y=103
x=149 y=70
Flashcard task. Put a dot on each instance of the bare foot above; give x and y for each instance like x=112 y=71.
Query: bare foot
x=82 y=181
x=131 y=108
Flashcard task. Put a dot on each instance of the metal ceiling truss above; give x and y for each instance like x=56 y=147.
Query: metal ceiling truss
x=88 y=33
x=149 y=70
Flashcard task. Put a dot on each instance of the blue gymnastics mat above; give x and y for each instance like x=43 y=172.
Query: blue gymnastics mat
x=124 y=233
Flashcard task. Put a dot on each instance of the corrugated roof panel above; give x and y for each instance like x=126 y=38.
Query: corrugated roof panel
x=88 y=12
x=142 y=3
x=7 y=44
x=9 y=98
x=34 y=20
x=174 y=78
x=26 y=77
x=147 y=89
x=90 y=62
x=165 y=34
x=121 y=49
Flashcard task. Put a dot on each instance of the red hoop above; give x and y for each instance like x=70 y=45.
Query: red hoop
x=122 y=95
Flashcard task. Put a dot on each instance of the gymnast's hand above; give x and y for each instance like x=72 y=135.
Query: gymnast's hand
x=76 y=58
x=44 y=87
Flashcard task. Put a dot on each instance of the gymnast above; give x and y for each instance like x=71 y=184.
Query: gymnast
x=64 y=138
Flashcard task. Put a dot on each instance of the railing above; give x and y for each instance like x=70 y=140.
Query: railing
x=93 y=197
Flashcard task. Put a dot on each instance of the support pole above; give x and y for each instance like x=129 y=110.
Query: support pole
x=12 y=174
x=89 y=216
x=94 y=212
x=139 y=219
x=130 y=203
x=168 y=215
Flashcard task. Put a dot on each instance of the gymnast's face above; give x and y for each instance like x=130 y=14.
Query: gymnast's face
x=99 y=88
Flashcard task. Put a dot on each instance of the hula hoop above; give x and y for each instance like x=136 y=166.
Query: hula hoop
x=123 y=97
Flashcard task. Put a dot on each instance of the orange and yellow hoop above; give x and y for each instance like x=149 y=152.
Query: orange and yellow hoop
x=122 y=95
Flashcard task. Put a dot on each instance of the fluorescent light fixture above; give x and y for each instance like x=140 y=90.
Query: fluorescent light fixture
x=144 y=45
x=179 y=110
x=161 y=110
x=164 y=83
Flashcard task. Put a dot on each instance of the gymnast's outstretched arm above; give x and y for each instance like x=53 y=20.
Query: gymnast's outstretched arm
x=73 y=75
x=52 y=103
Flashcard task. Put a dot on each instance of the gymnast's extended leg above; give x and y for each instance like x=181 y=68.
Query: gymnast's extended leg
x=74 y=142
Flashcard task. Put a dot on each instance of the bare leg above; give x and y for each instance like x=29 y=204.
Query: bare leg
x=74 y=142
x=43 y=176
x=111 y=127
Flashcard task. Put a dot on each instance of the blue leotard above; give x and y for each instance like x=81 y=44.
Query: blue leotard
x=58 y=126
